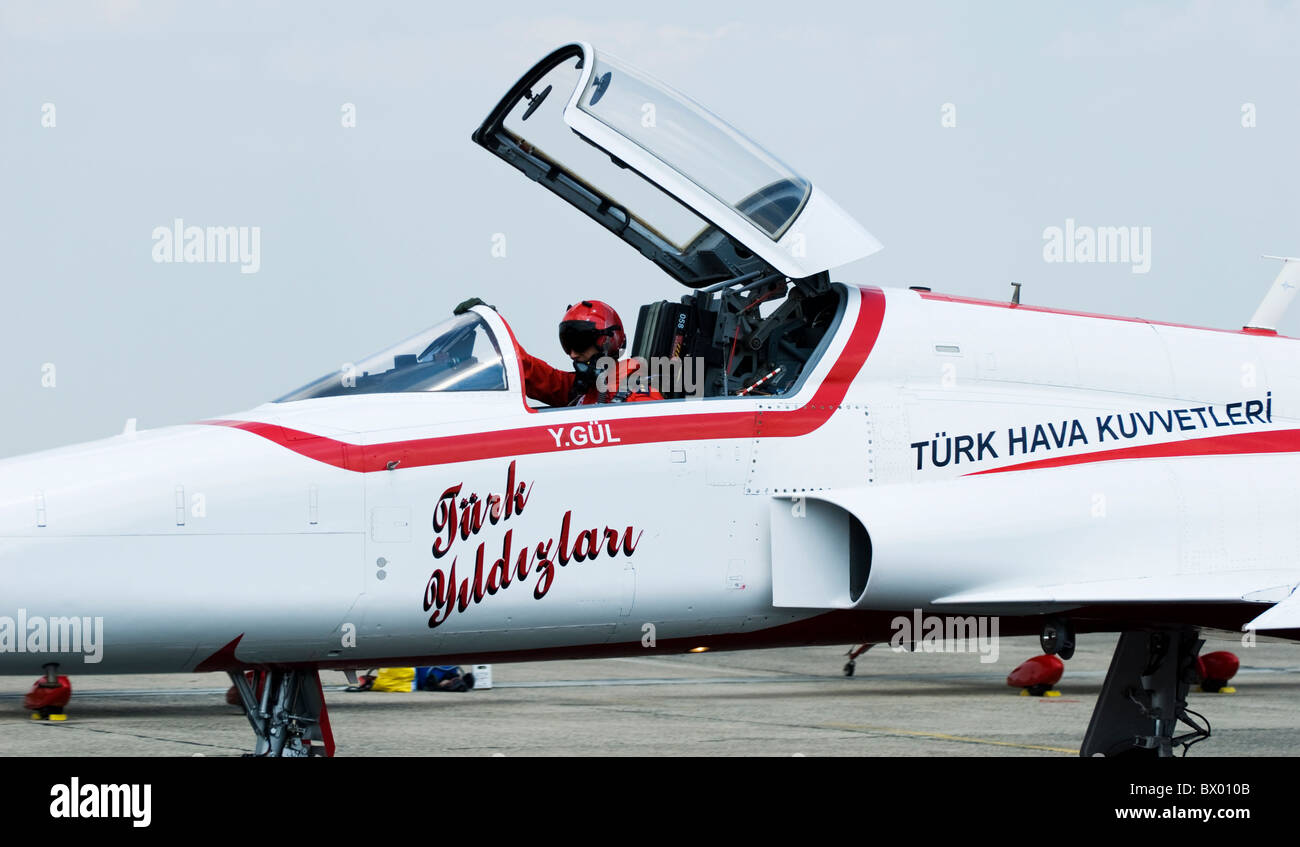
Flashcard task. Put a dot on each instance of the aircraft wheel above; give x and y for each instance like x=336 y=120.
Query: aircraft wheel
x=1067 y=649
x=850 y=667
x=1057 y=638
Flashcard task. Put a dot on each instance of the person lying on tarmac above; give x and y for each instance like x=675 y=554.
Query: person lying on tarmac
x=593 y=337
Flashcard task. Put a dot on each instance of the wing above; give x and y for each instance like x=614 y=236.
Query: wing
x=1264 y=587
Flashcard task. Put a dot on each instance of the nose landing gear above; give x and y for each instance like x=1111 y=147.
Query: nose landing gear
x=287 y=712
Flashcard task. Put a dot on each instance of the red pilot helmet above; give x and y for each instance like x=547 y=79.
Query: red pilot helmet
x=592 y=323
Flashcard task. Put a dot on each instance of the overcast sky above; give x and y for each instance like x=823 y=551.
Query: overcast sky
x=1179 y=117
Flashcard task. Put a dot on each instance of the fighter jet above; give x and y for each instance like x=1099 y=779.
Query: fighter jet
x=826 y=458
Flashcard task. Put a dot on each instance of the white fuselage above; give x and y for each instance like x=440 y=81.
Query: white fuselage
x=333 y=531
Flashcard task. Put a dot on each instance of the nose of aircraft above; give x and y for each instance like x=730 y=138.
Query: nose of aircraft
x=178 y=540
x=155 y=481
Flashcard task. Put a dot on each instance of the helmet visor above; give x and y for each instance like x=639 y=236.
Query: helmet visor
x=578 y=336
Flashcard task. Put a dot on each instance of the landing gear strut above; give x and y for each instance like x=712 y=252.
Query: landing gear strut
x=851 y=665
x=1144 y=696
x=287 y=712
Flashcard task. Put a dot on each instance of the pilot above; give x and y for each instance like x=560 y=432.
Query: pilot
x=591 y=333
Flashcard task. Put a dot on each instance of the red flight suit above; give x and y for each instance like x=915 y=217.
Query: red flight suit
x=553 y=386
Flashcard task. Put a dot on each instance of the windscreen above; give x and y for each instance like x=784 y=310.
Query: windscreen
x=460 y=354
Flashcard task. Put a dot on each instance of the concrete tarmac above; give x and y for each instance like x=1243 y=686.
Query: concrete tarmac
x=761 y=703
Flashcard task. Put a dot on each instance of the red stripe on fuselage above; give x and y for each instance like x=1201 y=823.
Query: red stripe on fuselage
x=420 y=452
x=1246 y=443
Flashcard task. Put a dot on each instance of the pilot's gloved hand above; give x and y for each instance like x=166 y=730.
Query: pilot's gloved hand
x=466 y=305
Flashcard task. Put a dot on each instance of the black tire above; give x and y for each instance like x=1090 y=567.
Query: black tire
x=1057 y=638
x=1050 y=638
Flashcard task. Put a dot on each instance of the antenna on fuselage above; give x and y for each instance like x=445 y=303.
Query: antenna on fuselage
x=1279 y=296
x=1015 y=295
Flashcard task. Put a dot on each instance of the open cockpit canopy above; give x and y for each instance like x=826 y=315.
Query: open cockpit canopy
x=657 y=169
x=689 y=192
